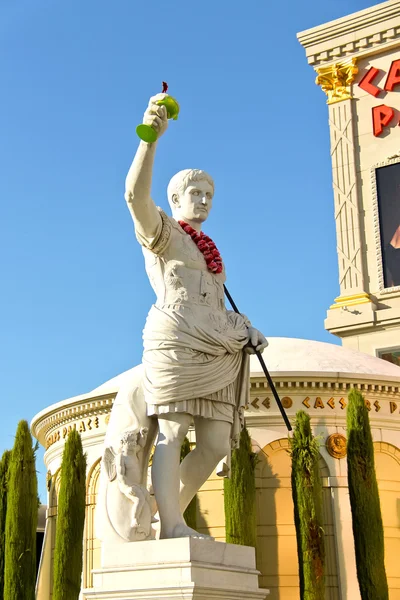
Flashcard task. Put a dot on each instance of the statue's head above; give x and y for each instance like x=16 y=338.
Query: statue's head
x=129 y=440
x=190 y=193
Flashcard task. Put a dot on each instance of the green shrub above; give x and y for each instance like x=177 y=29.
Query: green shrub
x=240 y=495
x=4 y=463
x=68 y=551
x=364 y=500
x=307 y=499
x=21 y=519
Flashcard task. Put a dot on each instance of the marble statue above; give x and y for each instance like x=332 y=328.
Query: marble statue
x=195 y=364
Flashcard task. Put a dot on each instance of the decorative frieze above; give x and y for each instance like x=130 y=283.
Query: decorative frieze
x=82 y=426
x=60 y=416
x=326 y=404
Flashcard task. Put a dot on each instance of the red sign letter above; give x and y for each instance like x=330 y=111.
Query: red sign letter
x=366 y=82
x=393 y=77
x=381 y=116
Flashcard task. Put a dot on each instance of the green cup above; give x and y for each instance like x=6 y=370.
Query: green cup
x=146 y=132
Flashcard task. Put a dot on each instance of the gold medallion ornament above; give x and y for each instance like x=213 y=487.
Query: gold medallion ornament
x=336 y=444
x=336 y=80
x=287 y=402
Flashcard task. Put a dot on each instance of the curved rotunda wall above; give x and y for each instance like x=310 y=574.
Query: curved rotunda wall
x=323 y=395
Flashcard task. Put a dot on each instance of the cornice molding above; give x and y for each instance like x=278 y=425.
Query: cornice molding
x=61 y=414
x=364 y=383
x=362 y=33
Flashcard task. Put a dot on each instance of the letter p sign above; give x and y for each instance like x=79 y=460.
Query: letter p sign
x=381 y=117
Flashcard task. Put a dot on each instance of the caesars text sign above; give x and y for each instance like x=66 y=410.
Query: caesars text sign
x=382 y=115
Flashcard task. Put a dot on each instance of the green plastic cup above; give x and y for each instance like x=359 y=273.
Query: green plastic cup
x=146 y=132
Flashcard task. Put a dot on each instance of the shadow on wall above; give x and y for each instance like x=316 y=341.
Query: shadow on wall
x=210 y=515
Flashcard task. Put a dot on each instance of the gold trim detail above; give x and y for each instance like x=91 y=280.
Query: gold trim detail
x=336 y=80
x=336 y=444
x=287 y=402
x=341 y=301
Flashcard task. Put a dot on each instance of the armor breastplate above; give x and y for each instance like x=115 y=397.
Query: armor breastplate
x=188 y=286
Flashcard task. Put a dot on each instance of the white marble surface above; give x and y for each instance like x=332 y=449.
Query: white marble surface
x=178 y=550
x=185 y=568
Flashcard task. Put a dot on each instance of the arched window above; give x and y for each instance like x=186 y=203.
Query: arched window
x=91 y=545
x=45 y=575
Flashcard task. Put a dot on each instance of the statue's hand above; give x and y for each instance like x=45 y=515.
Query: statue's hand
x=256 y=341
x=156 y=116
x=132 y=492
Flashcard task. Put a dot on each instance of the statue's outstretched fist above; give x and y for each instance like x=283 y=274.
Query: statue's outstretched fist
x=156 y=115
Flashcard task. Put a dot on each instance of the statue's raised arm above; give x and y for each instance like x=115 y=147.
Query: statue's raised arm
x=144 y=212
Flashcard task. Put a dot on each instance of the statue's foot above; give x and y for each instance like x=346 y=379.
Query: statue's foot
x=182 y=530
x=138 y=534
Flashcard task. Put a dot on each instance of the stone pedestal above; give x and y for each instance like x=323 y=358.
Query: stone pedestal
x=177 y=569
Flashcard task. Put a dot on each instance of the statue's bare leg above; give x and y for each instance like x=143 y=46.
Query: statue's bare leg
x=165 y=473
x=212 y=445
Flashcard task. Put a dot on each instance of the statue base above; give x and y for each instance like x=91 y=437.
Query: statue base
x=177 y=569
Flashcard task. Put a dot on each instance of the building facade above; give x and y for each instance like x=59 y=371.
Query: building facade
x=357 y=65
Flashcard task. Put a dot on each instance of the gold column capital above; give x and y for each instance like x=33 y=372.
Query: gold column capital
x=336 y=80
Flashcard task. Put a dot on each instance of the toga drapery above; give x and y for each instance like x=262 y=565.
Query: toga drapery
x=193 y=355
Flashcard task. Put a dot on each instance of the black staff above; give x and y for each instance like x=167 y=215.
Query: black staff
x=264 y=368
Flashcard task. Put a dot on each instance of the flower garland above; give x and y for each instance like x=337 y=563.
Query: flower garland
x=206 y=246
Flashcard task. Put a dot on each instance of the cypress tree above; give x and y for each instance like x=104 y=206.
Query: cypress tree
x=4 y=463
x=21 y=519
x=240 y=495
x=364 y=501
x=190 y=513
x=68 y=553
x=307 y=500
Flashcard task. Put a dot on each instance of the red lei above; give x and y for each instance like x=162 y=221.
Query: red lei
x=206 y=246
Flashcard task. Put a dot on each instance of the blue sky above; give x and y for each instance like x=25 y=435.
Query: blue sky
x=75 y=78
